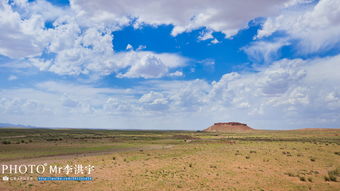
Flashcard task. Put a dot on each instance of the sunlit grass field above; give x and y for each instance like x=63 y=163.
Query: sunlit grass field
x=180 y=160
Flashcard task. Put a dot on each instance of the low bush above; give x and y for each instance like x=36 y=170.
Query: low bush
x=332 y=175
x=6 y=142
x=303 y=179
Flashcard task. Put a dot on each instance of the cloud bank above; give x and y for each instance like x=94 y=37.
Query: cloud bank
x=285 y=92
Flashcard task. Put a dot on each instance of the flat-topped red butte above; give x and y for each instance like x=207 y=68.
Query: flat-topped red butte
x=228 y=126
x=231 y=123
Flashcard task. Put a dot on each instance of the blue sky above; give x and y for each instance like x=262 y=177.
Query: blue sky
x=115 y=64
x=226 y=54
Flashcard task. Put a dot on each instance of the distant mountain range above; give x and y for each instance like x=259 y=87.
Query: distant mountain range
x=16 y=125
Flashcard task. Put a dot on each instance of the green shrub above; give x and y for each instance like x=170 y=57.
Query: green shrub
x=213 y=166
x=327 y=178
x=54 y=139
x=333 y=174
x=290 y=174
x=332 y=178
x=6 y=142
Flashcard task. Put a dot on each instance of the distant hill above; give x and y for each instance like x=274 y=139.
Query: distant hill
x=228 y=127
x=10 y=125
x=15 y=125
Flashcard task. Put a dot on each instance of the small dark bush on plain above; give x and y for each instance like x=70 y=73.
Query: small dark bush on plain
x=6 y=142
x=287 y=153
x=290 y=174
x=333 y=174
x=327 y=178
x=52 y=139
x=302 y=178
x=310 y=179
x=247 y=157
x=312 y=159
x=337 y=153
x=332 y=178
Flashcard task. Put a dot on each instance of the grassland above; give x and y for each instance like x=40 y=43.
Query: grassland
x=179 y=160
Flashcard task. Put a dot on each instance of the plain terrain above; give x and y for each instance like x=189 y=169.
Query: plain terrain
x=179 y=160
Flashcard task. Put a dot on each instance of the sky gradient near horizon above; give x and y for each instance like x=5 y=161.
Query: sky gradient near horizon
x=129 y=64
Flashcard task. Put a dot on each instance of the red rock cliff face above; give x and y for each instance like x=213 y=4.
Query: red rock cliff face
x=227 y=127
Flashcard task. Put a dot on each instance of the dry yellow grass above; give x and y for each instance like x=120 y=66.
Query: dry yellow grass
x=207 y=164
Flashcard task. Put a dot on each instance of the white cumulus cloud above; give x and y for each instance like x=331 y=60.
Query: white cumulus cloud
x=315 y=26
x=228 y=16
x=74 y=45
x=146 y=64
x=287 y=94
